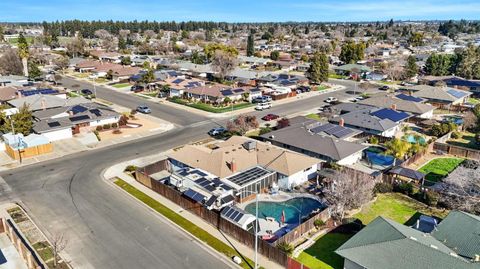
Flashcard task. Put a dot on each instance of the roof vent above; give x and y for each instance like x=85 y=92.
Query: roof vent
x=413 y=238
x=455 y=254
x=433 y=246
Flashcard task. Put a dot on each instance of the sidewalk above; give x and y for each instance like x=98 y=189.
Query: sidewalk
x=117 y=171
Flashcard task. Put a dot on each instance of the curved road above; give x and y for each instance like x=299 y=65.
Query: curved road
x=106 y=228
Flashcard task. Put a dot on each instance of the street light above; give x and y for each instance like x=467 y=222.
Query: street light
x=256 y=223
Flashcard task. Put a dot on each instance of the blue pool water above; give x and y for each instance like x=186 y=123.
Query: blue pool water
x=379 y=158
x=274 y=209
x=411 y=139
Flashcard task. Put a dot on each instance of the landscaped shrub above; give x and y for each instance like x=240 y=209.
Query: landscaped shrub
x=114 y=125
x=455 y=135
x=405 y=188
x=117 y=131
x=373 y=140
x=106 y=126
x=99 y=128
x=383 y=187
x=470 y=164
x=477 y=138
x=318 y=223
x=286 y=247
x=97 y=135
x=431 y=198
x=123 y=120
x=130 y=168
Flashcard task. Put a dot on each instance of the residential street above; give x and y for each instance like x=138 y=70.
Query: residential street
x=105 y=228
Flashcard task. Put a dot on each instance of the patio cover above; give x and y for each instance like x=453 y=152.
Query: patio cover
x=407 y=172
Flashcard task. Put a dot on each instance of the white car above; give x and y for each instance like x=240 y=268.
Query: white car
x=263 y=106
x=331 y=100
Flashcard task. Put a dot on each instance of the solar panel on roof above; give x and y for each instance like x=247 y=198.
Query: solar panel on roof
x=409 y=98
x=54 y=124
x=457 y=94
x=79 y=118
x=322 y=128
x=194 y=195
x=177 y=81
x=333 y=130
x=390 y=114
x=238 y=90
x=209 y=187
x=248 y=176
x=211 y=200
x=226 y=92
x=227 y=199
x=342 y=133
x=96 y=112
x=78 y=109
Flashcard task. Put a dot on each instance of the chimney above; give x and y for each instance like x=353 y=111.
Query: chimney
x=394 y=106
x=19 y=94
x=44 y=103
x=341 y=122
x=233 y=166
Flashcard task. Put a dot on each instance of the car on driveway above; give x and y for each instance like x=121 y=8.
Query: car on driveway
x=217 y=131
x=262 y=99
x=384 y=88
x=86 y=92
x=137 y=88
x=263 y=106
x=144 y=109
x=304 y=88
x=270 y=117
x=331 y=100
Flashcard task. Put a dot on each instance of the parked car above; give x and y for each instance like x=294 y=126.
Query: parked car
x=262 y=99
x=384 y=88
x=331 y=100
x=162 y=95
x=263 y=106
x=86 y=92
x=137 y=88
x=304 y=88
x=144 y=109
x=217 y=131
x=270 y=117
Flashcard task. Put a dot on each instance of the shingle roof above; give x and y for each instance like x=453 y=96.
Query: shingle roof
x=387 y=101
x=386 y=244
x=36 y=102
x=217 y=161
x=364 y=119
x=460 y=231
x=437 y=93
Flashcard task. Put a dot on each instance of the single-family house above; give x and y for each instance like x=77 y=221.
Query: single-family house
x=440 y=96
x=243 y=163
x=324 y=141
x=401 y=102
x=43 y=102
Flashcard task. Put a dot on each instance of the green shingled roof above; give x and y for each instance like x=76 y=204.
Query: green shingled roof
x=386 y=244
x=460 y=231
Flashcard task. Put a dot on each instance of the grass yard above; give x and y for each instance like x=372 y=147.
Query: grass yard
x=314 y=116
x=14 y=41
x=101 y=80
x=321 y=88
x=337 y=76
x=397 y=207
x=187 y=225
x=439 y=168
x=80 y=75
x=210 y=108
x=466 y=140
x=474 y=101
x=321 y=254
x=121 y=85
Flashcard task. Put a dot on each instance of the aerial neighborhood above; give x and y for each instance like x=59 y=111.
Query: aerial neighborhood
x=269 y=145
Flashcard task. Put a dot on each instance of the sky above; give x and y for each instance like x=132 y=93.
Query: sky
x=238 y=10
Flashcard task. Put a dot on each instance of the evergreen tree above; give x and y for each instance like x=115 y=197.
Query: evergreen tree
x=438 y=65
x=22 y=121
x=318 y=71
x=411 y=69
x=352 y=52
x=122 y=44
x=274 y=55
x=33 y=71
x=1 y=33
x=250 y=46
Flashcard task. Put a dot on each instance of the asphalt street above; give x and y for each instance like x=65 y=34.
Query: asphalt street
x=106 y=228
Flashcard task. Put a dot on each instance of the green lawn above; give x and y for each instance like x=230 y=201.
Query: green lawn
x=473 y=100
x=321 y=254
x=198 y=232
x=466 y=140
x=397 y=207
x=14 y=41
x=336 y=76
x=439 y=168
x=314 y=116
x=321 y=88
x=210 y=108
x=81 y=75
x=121 y=85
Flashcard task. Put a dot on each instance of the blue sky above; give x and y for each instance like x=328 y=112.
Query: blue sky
x=238 y=10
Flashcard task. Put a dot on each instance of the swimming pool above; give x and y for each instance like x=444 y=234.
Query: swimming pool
x=412 y=139
x=376 y=155
x=274 y=209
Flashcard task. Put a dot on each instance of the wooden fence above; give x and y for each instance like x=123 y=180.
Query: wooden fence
x=305 y=227
x=459 y=151
x=22 y=246
x=28 y=152
x=212 y=217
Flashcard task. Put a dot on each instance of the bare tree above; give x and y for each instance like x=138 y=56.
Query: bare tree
x=242 y=124
x=470 y=121
x=76 y=46
x=109 y=42
x=394 y=70
x=149 y=33
x=10 y=63
x=61 y=62
x=59 y=243
x=124 y=33
x=223 y=63
x=350 y=190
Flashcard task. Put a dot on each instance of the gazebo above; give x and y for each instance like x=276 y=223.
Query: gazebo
x=408 y=173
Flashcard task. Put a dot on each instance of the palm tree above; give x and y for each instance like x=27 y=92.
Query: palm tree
x=23 y=53
x=397 y=148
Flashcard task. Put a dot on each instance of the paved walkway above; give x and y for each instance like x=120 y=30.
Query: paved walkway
x=117 y=171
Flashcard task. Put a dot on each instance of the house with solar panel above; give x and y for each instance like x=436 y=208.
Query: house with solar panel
x=440 y=96
x=243 y=163
x=63 y=122
x=378 y=121
x=401 y=102
x=216 y=93
x=386 y=244
x=326 y=141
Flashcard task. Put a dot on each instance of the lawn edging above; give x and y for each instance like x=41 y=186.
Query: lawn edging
x=184 y=224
